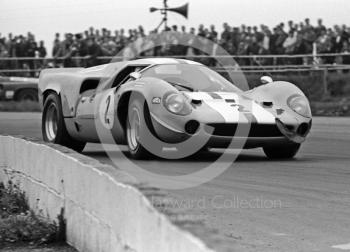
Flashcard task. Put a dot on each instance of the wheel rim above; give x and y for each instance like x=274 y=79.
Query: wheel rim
x=134 y=129
x=51 y=122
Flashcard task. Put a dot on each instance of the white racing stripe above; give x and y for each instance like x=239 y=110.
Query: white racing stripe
x=198 y=96
x=262 y=115
x=231 y=113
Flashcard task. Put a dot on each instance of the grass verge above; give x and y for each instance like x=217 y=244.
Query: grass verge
x=331 y=107
x=20 y=228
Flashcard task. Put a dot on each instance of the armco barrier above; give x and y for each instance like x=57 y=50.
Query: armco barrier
x=102 y=209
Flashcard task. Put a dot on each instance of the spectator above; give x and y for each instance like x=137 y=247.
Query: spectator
x=257 y=34
x=291 y=25
x=300 y=48
x=93 y=51
x=345 y=49
x=320 y=27
x=280 y=38
x=226 y=34
x=42 y=50
x=10 y=46
x=289 y=43
x=266 y=40
x=253 y=47
x=56 y=44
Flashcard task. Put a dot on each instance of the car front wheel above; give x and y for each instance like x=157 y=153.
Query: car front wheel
x=135 y=123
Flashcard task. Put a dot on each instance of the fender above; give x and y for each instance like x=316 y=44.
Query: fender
x=63 y=81
x=276 y=95
x=278 y=91
x=149 y=88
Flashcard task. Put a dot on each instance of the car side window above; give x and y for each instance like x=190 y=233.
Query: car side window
x=122 y=77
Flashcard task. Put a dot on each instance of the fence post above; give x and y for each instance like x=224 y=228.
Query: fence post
x=325 y=82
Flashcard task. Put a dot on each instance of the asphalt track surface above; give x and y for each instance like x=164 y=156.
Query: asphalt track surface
x=258 y=204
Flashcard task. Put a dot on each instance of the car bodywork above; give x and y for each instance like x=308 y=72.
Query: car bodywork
x=265 y=109
x=15 y=88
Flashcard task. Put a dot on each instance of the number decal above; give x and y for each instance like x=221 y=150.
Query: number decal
x=108 y=102
x=106 y=110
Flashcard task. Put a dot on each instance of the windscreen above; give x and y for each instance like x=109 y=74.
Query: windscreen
x=195 y=77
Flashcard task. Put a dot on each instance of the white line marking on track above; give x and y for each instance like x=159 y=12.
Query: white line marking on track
x=279 y=234
x=325 y=155
x=342 y=246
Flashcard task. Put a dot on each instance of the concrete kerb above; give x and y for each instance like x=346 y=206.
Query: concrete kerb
x=104 y=208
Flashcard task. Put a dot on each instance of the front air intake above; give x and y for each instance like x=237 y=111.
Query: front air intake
x=191 y=127
x=303 y=129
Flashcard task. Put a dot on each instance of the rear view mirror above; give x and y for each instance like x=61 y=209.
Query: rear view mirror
x=266 y=79
x=135 y=75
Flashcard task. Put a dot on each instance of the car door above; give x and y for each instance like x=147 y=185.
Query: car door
x=97 y=108
x=85 y=110
x=108 y=102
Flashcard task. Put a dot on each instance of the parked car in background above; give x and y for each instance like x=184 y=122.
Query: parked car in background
x=18 y=89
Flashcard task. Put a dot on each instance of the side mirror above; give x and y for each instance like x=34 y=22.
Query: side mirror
x=135 y=75
x=266 y=79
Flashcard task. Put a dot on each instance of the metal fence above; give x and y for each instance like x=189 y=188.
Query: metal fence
x=307 y=64
x=304 y=62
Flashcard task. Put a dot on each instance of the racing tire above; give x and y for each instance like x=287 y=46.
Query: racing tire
x=282 y=151
x=27 y=95
x=53 y=126
x=134 y=122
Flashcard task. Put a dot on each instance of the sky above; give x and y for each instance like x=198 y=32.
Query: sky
x=46 y=17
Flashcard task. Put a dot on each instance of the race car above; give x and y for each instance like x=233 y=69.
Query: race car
x=151 y=104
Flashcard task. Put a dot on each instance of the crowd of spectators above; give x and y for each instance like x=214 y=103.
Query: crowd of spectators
x=284 y=39
x=21 y=47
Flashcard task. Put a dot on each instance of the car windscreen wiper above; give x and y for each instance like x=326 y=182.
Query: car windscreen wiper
x=180 y=85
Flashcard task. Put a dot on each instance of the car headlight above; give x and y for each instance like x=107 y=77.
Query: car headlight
x=176 y=103
x=300 y=105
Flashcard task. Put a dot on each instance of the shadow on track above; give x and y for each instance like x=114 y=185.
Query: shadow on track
x=203 y=156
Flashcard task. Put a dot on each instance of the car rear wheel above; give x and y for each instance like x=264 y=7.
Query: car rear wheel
x=282 y=151
x=53 y=127
x=134 y=124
